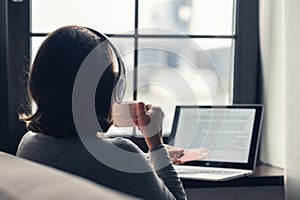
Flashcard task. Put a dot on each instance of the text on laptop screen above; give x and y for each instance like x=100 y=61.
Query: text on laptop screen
x=224 y=132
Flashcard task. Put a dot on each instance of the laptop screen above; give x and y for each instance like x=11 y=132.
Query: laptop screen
x=228 y=134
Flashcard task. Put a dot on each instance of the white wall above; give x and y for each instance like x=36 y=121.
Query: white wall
x=280 y=45
x=272 y=51
x=292 y=28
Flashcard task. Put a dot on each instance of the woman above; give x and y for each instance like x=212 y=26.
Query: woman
x=52 y=138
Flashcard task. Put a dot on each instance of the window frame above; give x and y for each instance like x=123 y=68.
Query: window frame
x=15 y=40
x=247 y=67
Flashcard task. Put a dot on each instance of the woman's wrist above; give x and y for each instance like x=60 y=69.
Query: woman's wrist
x=154 y=141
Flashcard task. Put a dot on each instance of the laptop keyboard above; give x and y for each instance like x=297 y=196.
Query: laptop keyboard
x=205 y=171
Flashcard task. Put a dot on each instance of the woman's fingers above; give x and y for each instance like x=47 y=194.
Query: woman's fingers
x=150 y=119
x=148 y=106
x=143 y=116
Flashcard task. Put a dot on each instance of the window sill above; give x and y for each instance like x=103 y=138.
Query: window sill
x=264 y=175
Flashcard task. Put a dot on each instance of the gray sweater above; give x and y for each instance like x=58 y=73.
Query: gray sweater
x=69 y=154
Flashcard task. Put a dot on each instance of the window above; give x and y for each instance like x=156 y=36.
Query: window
x=28 y=22
x=176 y=51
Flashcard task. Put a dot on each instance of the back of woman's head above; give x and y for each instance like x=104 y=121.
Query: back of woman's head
x=51 y=80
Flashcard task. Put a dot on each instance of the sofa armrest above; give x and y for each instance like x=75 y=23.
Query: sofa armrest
x=26 y=180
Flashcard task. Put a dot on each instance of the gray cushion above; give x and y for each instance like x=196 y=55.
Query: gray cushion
x=26 y=180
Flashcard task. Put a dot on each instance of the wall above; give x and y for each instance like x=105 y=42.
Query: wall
x=273 y=69
x=280 y=43
x=292 y=28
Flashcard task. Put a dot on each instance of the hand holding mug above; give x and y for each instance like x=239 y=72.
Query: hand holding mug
x=148 y=118
x=150 y=121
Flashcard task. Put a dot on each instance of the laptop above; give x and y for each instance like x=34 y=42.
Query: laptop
x=227 y=136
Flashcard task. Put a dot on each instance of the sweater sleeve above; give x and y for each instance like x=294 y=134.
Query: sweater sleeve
x=164 y=169
x=161 y=183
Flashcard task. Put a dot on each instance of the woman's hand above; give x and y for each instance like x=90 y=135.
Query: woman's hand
x=181 y=156
x=150 y=120
x=175 y=153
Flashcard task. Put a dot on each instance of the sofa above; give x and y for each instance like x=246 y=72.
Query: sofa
x=26 y=180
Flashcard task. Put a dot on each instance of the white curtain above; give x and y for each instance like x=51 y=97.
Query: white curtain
x=280 y=48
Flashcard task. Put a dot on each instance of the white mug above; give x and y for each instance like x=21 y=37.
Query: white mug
x=124 y=114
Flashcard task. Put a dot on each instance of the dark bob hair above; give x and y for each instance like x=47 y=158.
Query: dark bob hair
x=51 y=80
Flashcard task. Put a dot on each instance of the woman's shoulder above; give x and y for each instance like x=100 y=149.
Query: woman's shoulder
x=31 y=137
x=37 y=138
x=32 y=141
